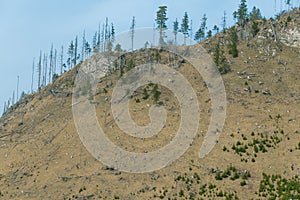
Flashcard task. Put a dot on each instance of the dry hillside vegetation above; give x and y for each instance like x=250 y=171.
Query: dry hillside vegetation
x=257 y=155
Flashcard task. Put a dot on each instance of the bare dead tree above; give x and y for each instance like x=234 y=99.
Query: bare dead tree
x=13 y=98
x=45 y=67
x=132 y=27
x=50 y=63
x=39 y=71
x=55 y=61
x=99 y=46
x=32 y=75
x=106 y=33
x=18 y=80
x=83 y=46
x=61 y=59
x=102 y=39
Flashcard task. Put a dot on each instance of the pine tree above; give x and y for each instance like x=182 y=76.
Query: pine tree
x=71 y=53
x=185 y=26
x=87 y=49
x=220 y=59
x=288 y=3
x=216 y=29
x=209 y=34
x=233 y=43
x=242 y=13
x=94 y=41
x=112 y=33
x=255 y=14
x=200 y=34
x=175 y=30
x=224 y=19
x=161 y=20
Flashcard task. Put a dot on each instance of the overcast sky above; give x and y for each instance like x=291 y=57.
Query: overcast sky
x=28 y=26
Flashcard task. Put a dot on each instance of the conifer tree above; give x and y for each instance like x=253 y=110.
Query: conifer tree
x=185 y=26
x=175 y=30
x=161 y=20
x=242 y=13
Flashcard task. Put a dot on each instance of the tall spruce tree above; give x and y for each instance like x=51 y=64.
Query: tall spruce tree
x=161 y=21
x=175 y=30
x=185 y=26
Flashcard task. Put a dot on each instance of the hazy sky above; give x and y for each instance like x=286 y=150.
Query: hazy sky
x=28 y=26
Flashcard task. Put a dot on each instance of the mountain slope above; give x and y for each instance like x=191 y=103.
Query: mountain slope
x=42 y=155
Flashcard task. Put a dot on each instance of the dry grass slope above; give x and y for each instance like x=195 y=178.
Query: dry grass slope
x=42 y=156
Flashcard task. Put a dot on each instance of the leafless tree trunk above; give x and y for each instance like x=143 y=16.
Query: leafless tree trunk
x=54 y=61
x=61 y=59
x=40 y=71
x=83 y=45
x=18 y=80
x=50 y=63
x=32 y=76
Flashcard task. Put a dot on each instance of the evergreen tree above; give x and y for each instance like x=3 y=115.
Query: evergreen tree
x=71 y=53
x=87 y=49
x=200 y=34
x=161 y=20
x=112 y=33
x=175 y=30
x=242 y=13
x=255 y=14
x=118 y=48
x=185 y=26
x=224 y=19
x=94 y=43
x=233 y=43
x=216 y=29
x=220 y=59
x=209 y=33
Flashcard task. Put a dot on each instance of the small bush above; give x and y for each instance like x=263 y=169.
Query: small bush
x=243 y=183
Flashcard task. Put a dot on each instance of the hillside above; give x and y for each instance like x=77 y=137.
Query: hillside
x=257 y=156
